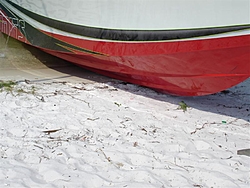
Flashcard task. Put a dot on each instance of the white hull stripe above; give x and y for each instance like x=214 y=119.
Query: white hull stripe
x=130 y=35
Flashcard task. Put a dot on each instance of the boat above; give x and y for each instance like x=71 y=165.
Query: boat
x=184 y=48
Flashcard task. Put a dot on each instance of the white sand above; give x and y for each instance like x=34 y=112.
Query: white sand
x=122 y=135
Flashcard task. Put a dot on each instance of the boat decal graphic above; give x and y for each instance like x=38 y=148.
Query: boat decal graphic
x=35 y=36
x=129 y=35
x=77 y=50
x=71 y=47
x=11 y=24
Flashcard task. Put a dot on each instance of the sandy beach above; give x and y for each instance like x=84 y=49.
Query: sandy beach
x=117 y=134
x=91 y=131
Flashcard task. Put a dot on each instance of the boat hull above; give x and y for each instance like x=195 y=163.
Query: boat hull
x=189 y=73
x=187 y=67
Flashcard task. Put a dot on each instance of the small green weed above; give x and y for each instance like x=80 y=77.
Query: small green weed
x=31 y=91
x=183 y=106
x=7 y=85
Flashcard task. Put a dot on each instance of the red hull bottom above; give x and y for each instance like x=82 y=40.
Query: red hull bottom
x=175 y=84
